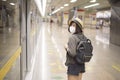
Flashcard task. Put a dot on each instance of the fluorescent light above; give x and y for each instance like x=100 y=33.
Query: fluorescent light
x=41 y=6
x=61 y=7
x=44 y=7
x=12 y=4
x=66 y=4
x=93 y=1
x=56 y=11
x=72 y=1
x=96 y=4
x=38 y=2
x=4 y=0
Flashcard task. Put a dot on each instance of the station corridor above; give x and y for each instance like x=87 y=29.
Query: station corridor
x=33 y=35
x=48 y=63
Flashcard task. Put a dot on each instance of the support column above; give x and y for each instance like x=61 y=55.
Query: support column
x=115 y=22
x=72 y=13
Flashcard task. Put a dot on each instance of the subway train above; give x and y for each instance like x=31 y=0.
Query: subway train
x=19 y=28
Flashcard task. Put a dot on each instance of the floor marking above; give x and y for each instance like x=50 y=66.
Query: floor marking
x=116 y=67
x=5 y=69
x=57 y=78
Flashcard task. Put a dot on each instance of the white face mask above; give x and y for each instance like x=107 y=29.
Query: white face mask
x=72 y=29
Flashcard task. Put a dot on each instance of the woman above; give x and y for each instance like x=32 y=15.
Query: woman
x=75 y=70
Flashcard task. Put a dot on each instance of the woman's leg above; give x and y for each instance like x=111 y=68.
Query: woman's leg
x=80 y=76
x=73 y=77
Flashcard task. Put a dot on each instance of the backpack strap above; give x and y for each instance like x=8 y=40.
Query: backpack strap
x=82 y=37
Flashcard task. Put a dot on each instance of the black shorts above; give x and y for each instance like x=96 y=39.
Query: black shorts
x=75 y=69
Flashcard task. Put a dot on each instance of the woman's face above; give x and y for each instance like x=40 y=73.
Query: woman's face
x=72 y=27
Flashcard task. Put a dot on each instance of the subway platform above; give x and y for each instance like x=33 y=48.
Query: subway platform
x=48 y=62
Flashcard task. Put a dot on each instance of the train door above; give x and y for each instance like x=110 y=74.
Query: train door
x=30 y=45
x=23 y=40
x=0 y=16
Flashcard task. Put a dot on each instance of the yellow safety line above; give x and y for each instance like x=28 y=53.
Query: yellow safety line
x=116 y=67
x=5 y=69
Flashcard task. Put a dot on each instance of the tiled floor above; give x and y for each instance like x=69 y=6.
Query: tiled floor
x=49 y=64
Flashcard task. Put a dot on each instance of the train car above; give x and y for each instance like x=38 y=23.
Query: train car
x=19 y=28
x=0 y=15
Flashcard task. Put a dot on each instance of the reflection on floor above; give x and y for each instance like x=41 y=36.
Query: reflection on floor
x=9 y=42
x=49 y=65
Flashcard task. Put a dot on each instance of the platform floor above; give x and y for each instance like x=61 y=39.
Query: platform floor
x=9 y=42
x=49 y=61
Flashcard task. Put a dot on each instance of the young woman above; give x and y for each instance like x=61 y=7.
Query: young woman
x=75 y=70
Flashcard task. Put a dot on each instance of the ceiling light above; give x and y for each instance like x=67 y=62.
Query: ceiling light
x=72 y=1
x=12 y=4
x=56 y=11
x=66 y=4
x=38 y=2
x=61 y=7
x=92 y=1
x=44 y=7
x=41 y=6
x=96 y=4
x=4 y=0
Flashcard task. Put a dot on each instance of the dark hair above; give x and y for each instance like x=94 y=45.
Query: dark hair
x=78 y=28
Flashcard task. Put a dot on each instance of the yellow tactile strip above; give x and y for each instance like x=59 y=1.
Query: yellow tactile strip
x=116 y=67
x=5 y=69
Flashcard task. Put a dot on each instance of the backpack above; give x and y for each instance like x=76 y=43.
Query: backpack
x=84 y=50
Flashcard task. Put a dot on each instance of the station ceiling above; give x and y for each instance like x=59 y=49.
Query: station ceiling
x=80 y=4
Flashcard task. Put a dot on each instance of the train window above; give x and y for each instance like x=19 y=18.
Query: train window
x=9 y=29
x=0 y=16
